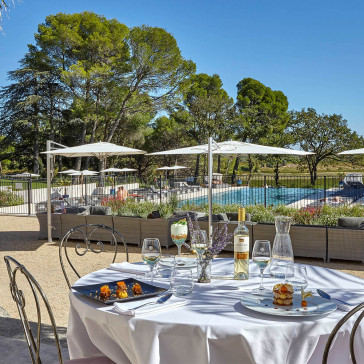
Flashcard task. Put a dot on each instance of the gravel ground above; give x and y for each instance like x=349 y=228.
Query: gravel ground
x=18 y=238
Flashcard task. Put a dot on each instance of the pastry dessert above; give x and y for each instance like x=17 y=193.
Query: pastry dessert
x=121 y=291
x=137 y=289
x=105 y=292
x=283 y=294
x=122 y=285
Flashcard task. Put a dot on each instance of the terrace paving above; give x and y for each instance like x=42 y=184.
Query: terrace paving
x=18 y=238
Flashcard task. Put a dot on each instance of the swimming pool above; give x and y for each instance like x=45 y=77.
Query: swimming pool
x=256 y=195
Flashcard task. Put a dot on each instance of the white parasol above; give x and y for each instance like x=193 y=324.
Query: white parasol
x=352 y=151
x=227 y=148
x=100 y=150
x=69 y=171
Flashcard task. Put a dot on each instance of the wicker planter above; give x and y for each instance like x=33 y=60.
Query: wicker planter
x=347 y=244
x=307 y=240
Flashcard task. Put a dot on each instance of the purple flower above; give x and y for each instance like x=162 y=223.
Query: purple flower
x=220 y=238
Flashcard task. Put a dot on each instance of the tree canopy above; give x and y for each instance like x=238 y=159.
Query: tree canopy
x=87 y=78
x=324 y=135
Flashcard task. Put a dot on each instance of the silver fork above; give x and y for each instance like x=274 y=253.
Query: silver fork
x=160 y=300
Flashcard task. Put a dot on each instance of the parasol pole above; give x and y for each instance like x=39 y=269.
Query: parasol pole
x=49 y=207
x=209 y=164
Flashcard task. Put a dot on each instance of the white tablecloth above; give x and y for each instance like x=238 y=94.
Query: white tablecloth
x=214 y=327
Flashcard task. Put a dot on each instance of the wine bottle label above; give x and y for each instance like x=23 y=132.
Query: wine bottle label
x=242 y=255
x=241 y=244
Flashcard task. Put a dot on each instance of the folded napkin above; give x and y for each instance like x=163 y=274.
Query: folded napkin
x=126 y=308
x=129 y=268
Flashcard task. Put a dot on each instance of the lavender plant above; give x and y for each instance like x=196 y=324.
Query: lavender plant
x=219 y=240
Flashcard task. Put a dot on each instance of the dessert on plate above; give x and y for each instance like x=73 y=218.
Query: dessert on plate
x=283 y=294
x=137 y=289
x=105 y=292
x=122 y=290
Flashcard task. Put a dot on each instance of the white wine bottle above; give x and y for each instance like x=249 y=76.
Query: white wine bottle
x=241 y=248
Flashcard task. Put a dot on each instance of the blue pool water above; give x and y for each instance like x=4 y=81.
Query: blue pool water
x=256 y=195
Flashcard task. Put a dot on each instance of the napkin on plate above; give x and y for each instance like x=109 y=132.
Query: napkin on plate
x=126 y=308
x=129 y=268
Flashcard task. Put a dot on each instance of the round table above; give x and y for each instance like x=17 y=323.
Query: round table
x=214 y=327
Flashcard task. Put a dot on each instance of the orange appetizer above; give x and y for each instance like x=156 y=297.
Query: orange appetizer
x=122 y=290
x=283 y=294
x=121 y=285
x=105 y=292
x=137 y=289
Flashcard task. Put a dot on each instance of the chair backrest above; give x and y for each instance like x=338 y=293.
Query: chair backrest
x=87 y=233
x=352 y=334
x=15 y=270
x=153 y=189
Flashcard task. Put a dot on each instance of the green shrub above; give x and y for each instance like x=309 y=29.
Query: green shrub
x=8 y=198
x=326 y=215
x=131 y=207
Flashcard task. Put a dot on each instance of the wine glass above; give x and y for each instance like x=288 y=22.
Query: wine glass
x=179 y=231
x=199 y=242
x=151 y=253
x=262 y=256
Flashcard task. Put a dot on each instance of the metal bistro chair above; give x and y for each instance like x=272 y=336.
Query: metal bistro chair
x=33 y=339
x=87 y=233
x=352 y=334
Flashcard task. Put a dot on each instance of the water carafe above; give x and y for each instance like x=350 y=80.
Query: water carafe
x=282 y=253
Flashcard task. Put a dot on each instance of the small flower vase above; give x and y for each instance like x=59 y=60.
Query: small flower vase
x=204 y=270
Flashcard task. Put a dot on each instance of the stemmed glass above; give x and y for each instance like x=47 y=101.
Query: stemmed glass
x=151 y=253
x=179 y=231
x=262 y=256
x=199 y=242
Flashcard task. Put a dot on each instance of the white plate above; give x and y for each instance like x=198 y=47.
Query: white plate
x=187 y=262
x=315 y=305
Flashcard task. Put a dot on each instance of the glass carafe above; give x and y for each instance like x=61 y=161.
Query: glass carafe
x=282 y=253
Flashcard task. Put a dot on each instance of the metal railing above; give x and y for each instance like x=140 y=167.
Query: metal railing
x=29 y=196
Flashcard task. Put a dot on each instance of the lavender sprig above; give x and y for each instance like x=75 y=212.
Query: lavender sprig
x=219 y=240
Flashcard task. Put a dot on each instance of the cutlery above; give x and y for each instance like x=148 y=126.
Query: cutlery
x=160 y=300
x=323 y=294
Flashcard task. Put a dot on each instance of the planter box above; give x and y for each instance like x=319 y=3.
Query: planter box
x=347 y=244
x=158 y=228
x=99 y=234
x=232 y=225
x=264 y=232
x=70 y=221
x=307 y=241
x=129 y=228
x=56 y=226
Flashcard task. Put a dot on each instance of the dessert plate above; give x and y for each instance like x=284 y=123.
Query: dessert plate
x=315 y=305
x=187 y=262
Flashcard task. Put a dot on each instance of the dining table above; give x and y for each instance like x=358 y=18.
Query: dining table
x=213 y=326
